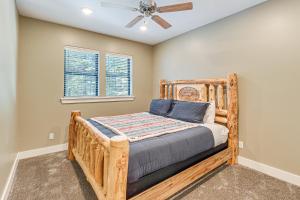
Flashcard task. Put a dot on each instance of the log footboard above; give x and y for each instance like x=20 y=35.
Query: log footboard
x=103 y=160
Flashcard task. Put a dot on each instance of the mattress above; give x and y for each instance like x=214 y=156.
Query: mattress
x=150 y=155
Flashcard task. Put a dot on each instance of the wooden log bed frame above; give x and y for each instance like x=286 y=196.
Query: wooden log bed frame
x=104 y=160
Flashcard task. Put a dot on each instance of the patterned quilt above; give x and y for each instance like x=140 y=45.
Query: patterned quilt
x=139 y=126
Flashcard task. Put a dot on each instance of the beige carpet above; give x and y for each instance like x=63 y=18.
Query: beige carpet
x=53 y=177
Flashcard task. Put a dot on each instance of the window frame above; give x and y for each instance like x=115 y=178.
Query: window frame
x=86 y=50
x=131 y=71
x=99 y=97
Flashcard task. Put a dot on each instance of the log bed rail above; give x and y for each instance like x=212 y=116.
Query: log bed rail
x=104 y=160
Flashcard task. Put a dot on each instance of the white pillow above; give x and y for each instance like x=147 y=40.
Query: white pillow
x=210 y=114
x=219 y=132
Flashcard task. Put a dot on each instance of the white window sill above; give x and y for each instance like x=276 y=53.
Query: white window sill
x=73 y=100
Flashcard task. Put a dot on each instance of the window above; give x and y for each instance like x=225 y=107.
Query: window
x=118 y=75
x=82 y=77
x=81 y=73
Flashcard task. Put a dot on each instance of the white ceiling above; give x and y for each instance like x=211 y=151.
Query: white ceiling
x=112 y=21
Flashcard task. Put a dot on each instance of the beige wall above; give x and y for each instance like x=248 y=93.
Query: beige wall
x=262 y=45
x=8 y=80
x=41 y=68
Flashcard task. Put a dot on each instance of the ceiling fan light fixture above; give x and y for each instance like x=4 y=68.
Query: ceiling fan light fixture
x=143 y=28
x=86 y=11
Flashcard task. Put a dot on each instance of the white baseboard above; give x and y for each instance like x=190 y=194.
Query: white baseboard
x=10 y=179
x=271 y=171
x=42 y=151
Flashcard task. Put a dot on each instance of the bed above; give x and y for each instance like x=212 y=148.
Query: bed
x=120 y=166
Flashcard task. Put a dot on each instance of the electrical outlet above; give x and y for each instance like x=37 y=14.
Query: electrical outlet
x=51 y=136
x=241 y=144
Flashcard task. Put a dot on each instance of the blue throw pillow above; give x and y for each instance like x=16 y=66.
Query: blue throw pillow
x=160 y=106
x=189 y=111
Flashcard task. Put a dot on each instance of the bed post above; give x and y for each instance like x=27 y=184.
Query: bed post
x=162 y=88
x=232 y=117
x=72 y=136
x=118 y=168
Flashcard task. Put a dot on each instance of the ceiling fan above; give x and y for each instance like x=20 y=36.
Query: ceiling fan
x=149 y=8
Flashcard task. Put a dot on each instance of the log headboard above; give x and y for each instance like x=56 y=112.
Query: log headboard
x=224 y=91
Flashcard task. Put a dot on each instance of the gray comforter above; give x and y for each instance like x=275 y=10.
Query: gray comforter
x=149 y=155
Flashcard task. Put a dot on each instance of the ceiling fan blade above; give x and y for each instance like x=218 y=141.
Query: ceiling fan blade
x=176 y=7
x=134 y=21
x=163 y=23
x=115 y=5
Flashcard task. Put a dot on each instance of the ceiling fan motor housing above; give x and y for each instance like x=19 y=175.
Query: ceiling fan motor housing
x=146 y=9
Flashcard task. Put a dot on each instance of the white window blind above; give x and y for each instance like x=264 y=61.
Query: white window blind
x=81 y=73
x=118 y=75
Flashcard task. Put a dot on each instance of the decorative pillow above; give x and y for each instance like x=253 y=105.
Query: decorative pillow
x=160 y=106
x=210 y=114
x=189 y=111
